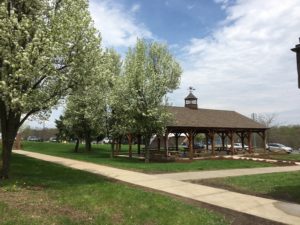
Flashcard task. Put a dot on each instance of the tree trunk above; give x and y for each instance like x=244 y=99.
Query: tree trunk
x=129 y=136
x=9 y=127
x=117 y=147
x=139 y=143
x=88 y=145
x=76 y=145
x=6 y=156
x=120 y=145
x=112 y=148
x=147 y=153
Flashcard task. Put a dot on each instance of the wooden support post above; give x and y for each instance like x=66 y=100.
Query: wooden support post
x=206 y=141
x=243 y=140
x=191 y=145
x=166 y=138
x=158 y=142
x=212 y=137
x=194 y=137
x=223 y=140
x=249 y=141
x=231 y=138
x=189 y=136
x=129 y=137
x=176 y=140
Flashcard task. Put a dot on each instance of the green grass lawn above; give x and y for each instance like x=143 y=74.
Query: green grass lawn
x=293 y=157
x=281 y=156
x=44 y=193
x=101 y=155
x=283 y=186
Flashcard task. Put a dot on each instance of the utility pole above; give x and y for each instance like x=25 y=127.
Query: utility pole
x=297 y=50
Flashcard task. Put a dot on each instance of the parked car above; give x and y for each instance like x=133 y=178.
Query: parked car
x=33 y=138
x=238 y=146
x=106 y=140
x=53 y=139
x=276 y=147
x=198 y=146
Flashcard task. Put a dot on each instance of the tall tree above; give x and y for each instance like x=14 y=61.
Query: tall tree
x=150 y=72
x=268 y=120
x=86 y=112
x=42 y=44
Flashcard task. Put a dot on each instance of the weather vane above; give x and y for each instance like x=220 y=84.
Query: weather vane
x=191 y=89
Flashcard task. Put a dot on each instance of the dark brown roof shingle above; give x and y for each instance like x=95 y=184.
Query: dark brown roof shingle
x=208 y=118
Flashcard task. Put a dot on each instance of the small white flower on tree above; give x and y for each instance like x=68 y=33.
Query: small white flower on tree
x=149 y=73
x=42 y=44
x=86 y=111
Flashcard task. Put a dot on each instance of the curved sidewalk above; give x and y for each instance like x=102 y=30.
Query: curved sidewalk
x=200 y=175
x=270 y=209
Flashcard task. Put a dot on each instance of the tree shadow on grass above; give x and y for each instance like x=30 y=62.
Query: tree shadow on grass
x=286 y=193
x=32 y=172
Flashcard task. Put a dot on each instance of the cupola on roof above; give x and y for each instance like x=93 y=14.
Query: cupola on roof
x=191 y=100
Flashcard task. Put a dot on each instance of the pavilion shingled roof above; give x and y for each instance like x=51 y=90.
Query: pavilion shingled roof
x=209 y=118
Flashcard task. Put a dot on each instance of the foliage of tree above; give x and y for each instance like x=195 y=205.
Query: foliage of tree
x=149 y=73
x=42 y=45
x=268 y=120
x=64 y=133
x=287 y=135
x=86 y=111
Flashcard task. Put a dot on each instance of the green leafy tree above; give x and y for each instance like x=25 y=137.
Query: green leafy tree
x=42 y=44
x=63 y=132
x=86 y=111
x=287 y=135
x=150 y=72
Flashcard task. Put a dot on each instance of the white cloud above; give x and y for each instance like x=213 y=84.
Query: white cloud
x=135 y=8
x=224 y=3
x=117 y=25
x=246 y=64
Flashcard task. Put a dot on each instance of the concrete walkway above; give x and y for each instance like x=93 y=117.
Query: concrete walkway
x=200 y=175
x=270 y=209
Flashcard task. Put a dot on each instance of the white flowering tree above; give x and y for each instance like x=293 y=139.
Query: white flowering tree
x=42 y=44
x=86 y=111
x=150 y=72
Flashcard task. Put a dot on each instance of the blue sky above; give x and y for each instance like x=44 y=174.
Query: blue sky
x=235 y=53
x=176 y=21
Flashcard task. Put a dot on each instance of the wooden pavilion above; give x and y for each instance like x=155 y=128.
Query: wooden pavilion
x=192 y=120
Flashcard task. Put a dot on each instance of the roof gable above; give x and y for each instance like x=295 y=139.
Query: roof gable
x=190 y=96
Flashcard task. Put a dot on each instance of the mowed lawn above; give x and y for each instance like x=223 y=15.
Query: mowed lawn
x=39 y=192
x=101 y=155
x=282 y=186
x=292 y=157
